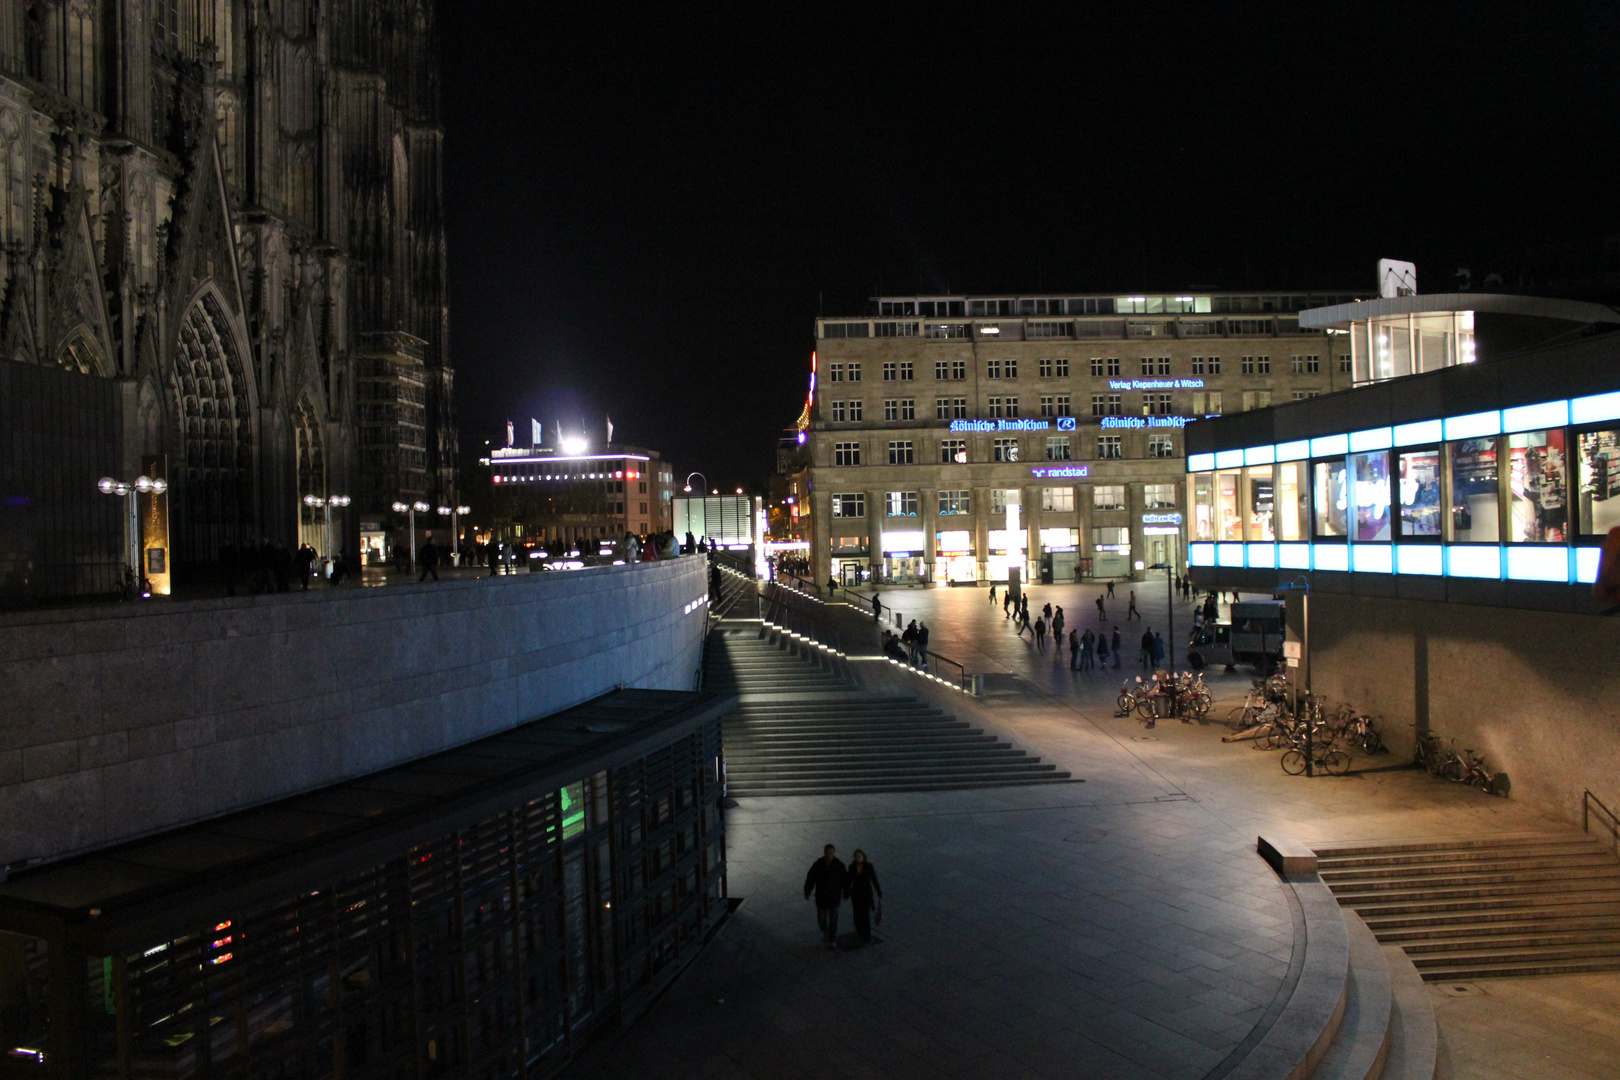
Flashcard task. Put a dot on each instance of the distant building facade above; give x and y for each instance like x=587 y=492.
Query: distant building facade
x=542 y=495
x=931 y=416
x=223 y=256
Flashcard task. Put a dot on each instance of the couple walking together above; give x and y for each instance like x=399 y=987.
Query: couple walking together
x=831 y=882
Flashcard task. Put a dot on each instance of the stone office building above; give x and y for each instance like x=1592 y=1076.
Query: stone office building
x=221 y=255
x=932 y=417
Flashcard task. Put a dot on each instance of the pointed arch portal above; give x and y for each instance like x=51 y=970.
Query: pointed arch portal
x=215 y=436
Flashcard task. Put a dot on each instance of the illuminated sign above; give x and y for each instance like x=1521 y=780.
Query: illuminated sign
x=1043 y=471
x=1145 y=421
x=1000 y=425
x=1065 y=423
x=1161 y=519
x=1155 y=384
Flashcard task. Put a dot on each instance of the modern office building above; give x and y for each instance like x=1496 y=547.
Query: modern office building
x=1444 y=518
x=553 y=497
x=932 y=417
x=222 y=259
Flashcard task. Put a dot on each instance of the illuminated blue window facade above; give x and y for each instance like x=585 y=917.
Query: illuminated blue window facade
x=1521 y=493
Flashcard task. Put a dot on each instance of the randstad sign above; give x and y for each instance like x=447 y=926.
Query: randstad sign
x=1001 y=425
x=1144 y=421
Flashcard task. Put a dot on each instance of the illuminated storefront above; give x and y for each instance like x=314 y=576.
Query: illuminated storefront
x=954 y=559
x=903 y=556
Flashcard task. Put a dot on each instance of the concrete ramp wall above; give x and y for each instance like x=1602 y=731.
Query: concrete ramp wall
x=119 y=721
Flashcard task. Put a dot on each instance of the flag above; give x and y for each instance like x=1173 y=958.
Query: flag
x=534 y=439
x=510 y=438
x=610 y=428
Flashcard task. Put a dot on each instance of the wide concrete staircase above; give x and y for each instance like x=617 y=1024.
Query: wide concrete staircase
x=1536 y=904
x=805 y=726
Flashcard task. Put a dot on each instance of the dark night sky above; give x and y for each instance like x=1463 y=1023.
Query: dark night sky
x=646 y=208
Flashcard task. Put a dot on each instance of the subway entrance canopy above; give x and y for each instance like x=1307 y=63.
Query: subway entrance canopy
x=485 y=909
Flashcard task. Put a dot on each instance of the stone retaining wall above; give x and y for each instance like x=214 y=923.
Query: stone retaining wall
x=119 y=721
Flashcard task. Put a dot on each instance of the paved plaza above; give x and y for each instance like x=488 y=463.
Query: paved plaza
x=1120 y=926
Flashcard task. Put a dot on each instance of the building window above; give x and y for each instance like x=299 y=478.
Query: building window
x=953 y=502
x=1111 y=538
x=950 y=370
x=890 y=370
x=1155 y=365
x=907 y=371
x=1155 y=404
x=900 y=453
x=995 y=408
x=1299 y=395
x=1012 y=408
x=845 y=411
x=902 y=504
x=1256 y=399
x=1161 y=446
x=952 y=451
x=1059 y=500
x=1108 y=497
x=1109 y=446
x=1101 y=367
x=1206 y=404
x=847 y=453
x=1301 y=365
x=1159 y=496
x=1001 y=369
x=1011 y=368
x=837 y=412
x=998 y=500
x=849 y=505
x=900 y=409
x=1257 y=365
x=854 y=372
x=1063 y=406
x=942 y=369
x=1206 y=365
x=895 y=329
x=1006 y=449
x=945 y=330
x=1047 y=405
x=835 y=372
x=1344 y=364
x=958 y=408
x=1164 y=365
x=992 y=369
x=1055 y=367
x=1106 y=404
x=1057 y=448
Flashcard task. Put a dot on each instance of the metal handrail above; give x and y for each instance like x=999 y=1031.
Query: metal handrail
x=1588 y=800
x=779 y=612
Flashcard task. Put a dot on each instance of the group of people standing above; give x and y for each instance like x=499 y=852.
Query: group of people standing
x=831 y=883
x=274 y=568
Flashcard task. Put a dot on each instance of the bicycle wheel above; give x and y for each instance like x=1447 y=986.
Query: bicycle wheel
x=1126 y=703
x=1452 y=769
x=1201 y=704
x=1336 y=762
x=1148 y=708
x=1293 y=763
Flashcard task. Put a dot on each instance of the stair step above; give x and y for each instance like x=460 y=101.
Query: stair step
x=1597 y=950
x=1606 y=874
x=836 y=788
x=1449 y=845
x=1509 y=970
x=1432 y=867
x=1537 y=940
x=1497 y=916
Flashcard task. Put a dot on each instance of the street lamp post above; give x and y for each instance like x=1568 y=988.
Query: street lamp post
x=412 y=508
x=454 y=513
x=1170 y=609
x=327 y=503
x=129 y=492
x=689 y=481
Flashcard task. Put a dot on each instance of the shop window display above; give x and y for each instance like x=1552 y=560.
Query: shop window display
x=1538 y=503
x=1600 y=480
x=1229 y=516
x=1332 y=499
x=1203 y=504
x=1260 y=505
x=1292 y=502
x=1371 y=477
x=1474 y=500
x=1418 y=484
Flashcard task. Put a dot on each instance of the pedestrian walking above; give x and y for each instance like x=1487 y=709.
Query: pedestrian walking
x=1046 y=609
x=1132 y=611
x=1074 y=650
x=1146 y=654
x=1102 y=613
x=1040 y=633
x=1158 y=650
x=827 y=879
x=1110 y=590
x=1006 y=600
x=429 y=558
x=877 y=608
x=992 y=596
x=1102 y=650
x=832 y=585
x=865 y=895
x=1115 y=644
x=1057 y=624
x=304 y=565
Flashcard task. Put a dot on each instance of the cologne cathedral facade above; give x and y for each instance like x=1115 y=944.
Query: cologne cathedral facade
x=222 y=257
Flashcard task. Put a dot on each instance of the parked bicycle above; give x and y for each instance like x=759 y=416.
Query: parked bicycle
x=1442 y=760
x=1174 y=695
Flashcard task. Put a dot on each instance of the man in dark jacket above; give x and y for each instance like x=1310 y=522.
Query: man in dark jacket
x=827 y=878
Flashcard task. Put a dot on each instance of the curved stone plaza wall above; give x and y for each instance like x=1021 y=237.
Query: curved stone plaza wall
x=1537 y=693
x=119 y=721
